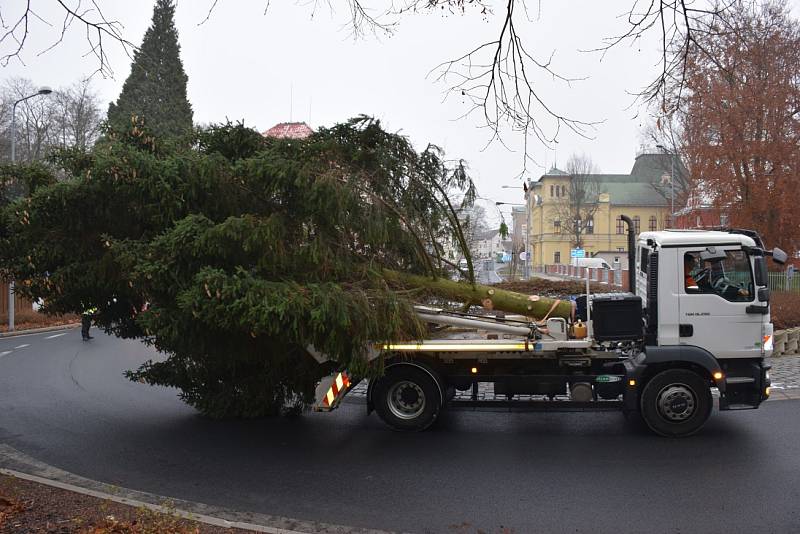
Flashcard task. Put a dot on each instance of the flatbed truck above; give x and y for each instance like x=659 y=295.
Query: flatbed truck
x=696 y=317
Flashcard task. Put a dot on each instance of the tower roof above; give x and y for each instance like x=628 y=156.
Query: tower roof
x=289 y=130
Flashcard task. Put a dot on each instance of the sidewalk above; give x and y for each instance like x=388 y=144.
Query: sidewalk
x=66 y=502
x=785 y=375
x=30 y=331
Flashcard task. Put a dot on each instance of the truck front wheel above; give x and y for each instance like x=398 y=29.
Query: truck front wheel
x=676 y=403
x=407 y=398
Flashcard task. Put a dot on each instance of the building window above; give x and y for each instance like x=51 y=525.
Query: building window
x=558 y=191
x=699 y=222
x=563 y=190
x=551 y=191
x=590 y=225
x=556 y=227
x=723 y=220
x=653 y=223
x=620 y=225
x=556 y=257
x=636 y=224
x=667 y=221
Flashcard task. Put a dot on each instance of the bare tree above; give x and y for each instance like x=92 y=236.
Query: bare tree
x=68 y=117
x=34 y=121
x=673 y=182
x=77 y=116
x=575 y=208
x=500 y=79
x=475 y=227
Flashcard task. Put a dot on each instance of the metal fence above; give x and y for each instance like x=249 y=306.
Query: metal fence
x=778 y=281
x=784 y=282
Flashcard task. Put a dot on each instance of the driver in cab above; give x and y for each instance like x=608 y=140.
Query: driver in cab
x=688 y=267
x=698 y=279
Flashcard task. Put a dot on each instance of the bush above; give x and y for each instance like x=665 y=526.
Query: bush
x=26 y=319
x=554 y=288
x=785 y=310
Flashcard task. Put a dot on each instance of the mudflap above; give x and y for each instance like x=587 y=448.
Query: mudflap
x=331 y=390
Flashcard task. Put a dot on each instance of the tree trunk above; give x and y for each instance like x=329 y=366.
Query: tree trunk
x=489 y=297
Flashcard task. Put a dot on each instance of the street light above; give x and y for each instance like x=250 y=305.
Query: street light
x=43 y=91
x=671 y=182
x=527 y=230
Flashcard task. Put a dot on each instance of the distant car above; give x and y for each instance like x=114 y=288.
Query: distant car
x=594 y=263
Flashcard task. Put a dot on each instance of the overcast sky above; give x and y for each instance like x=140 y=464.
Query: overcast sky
x=289 y=65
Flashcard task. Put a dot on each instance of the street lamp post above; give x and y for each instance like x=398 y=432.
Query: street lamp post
x=42 y=91
x=527 y=230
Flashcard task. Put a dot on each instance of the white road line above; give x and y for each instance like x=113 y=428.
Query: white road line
x=56 y=335
x=5 y=353
x=23 y=346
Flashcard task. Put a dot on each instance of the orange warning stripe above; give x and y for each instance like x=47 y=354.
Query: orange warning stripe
x=341 y=383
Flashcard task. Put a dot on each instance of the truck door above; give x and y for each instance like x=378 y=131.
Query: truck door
x=714 y=297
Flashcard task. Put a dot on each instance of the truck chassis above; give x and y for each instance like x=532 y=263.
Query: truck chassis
x=670 y=392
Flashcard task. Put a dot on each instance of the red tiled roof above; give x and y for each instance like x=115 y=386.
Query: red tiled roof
x=290 y=130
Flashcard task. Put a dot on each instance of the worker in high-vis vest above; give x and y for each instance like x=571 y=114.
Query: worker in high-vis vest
x=86 y=322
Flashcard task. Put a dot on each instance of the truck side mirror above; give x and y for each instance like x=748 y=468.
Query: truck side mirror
x=762 y=277
x=779 y=256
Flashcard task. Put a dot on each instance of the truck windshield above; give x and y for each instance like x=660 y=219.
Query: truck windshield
x=731 y=278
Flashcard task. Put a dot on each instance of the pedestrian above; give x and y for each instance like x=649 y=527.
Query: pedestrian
x=86 y=323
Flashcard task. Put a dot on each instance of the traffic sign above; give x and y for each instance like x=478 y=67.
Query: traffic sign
x=577 y=253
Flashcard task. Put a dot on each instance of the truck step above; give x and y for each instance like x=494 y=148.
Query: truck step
x=740 y=380
x=537 y=405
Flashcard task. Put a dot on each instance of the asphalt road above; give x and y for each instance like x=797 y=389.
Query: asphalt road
x=65 y=402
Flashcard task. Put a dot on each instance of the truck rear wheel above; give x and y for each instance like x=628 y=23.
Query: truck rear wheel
x=676 y=403
x=407 y=398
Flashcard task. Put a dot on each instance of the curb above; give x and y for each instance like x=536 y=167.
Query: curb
x=18 y=464
x=39 y=330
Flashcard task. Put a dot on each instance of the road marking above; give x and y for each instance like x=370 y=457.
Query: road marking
x=23 y=346
x=5 y=353
x=56 y=335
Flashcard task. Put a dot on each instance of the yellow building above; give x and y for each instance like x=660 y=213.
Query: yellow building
x=643 y=195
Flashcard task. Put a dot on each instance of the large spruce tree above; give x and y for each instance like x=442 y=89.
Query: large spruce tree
x=156 y=87
x=235 y=253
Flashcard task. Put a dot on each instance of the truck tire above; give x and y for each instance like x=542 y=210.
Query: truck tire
x=407 y=398
x=676 y=403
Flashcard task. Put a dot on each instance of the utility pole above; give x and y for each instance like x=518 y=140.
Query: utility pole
x=528 y=255
x=42 y=91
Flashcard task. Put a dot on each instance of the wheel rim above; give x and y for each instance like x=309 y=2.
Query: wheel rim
x=406 y=399
x=676 y=402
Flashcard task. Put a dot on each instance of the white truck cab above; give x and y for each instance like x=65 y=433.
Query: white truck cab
x=707 y=295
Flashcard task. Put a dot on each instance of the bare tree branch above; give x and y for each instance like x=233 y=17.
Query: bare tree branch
x=99 y=31
x=577 y=200
x=501 y=80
